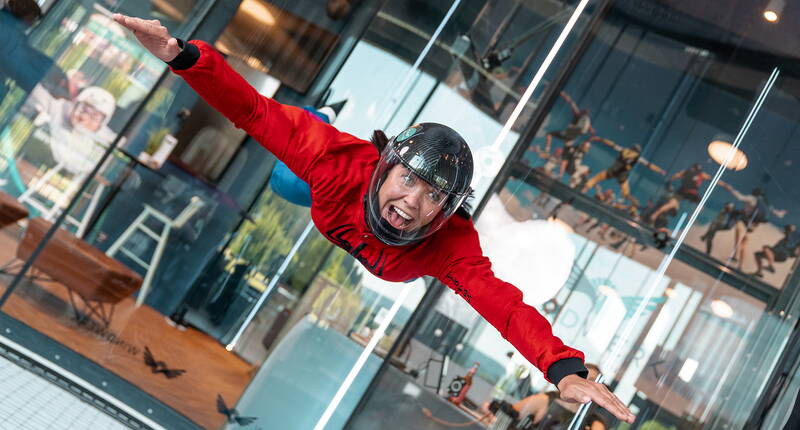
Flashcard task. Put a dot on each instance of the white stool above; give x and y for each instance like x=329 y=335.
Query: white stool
x=37 y=187
x=168 y=224
x=81 y=222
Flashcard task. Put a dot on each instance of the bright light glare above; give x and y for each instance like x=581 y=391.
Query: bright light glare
x=721 y=309
x=687 y=371
x=718 y=150
x=536 y=256
x=771 y=16
x=257 y=10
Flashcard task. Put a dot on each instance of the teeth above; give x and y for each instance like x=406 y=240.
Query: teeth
x=405 y=216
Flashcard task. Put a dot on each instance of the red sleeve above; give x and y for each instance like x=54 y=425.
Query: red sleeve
x=290 y=133
x=469 y=274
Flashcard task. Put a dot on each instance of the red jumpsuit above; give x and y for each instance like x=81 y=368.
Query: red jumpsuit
x=338 y=168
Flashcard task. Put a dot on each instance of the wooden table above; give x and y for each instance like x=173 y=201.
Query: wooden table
x=11 y=210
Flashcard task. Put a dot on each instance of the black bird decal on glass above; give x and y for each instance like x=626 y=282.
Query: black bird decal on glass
x=160 y=366
x=232 y=414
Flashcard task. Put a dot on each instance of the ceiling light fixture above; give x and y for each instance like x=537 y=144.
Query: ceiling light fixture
x=257 y=10
x=772 y=12
x=721 y=308
x=720 y=147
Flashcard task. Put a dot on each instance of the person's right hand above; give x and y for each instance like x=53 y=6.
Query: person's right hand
x=152 y=36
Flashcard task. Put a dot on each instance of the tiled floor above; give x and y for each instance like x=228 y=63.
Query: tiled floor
x=29 y=402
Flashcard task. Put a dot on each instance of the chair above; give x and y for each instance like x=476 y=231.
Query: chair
x=161 y=238
x=97 y=279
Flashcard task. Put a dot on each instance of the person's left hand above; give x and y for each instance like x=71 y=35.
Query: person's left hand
x=575 y=389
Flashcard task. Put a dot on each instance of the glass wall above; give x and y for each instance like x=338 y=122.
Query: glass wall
x=138 y=229
x=633 y=167
x=653 y=225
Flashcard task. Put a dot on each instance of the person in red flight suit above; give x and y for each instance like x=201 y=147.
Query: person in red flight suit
x=392 y=210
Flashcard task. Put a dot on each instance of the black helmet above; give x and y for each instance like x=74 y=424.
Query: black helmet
x=437 y=155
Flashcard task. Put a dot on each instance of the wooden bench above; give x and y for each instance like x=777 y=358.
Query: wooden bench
x=11 y=210
x=97 y=279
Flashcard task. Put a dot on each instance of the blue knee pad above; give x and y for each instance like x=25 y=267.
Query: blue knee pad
x=287 y=185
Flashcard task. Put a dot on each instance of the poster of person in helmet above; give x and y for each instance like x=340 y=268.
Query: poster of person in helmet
x=69 y=135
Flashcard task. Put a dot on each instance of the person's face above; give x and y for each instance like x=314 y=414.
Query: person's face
x=406 y=201
x=87 y=117
x=338 y=9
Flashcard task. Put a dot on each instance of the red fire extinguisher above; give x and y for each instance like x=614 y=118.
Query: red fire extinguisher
x=462 y=385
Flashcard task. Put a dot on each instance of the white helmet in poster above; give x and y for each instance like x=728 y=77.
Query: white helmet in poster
x=93 y=109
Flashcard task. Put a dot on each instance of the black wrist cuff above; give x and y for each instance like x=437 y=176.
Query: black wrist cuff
x=187 y=58
x=564 y=367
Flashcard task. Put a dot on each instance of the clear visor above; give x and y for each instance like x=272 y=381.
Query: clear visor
x=402 y=206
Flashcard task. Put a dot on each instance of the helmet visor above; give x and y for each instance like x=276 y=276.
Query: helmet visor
x=409 y=198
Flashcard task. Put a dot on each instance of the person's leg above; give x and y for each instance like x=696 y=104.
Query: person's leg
x=596 y=179
x=738 y=234
x=625 y=188
x=770 y=254
x=708 y=237
x=743 y=249
x=759 y=256
x=709 y=231
x=604 y=231
x=670 y=204
x=562 y=167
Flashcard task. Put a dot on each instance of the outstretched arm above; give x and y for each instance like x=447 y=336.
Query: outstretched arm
x=608 y=142
x=574 y=106
x=652 y=166
x=677 y=175
x=469 y=274
x=290 y=133
x=152 y=36
x=737 y=195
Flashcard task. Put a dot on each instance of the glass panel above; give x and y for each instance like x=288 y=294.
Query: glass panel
x=301 y=36
x=647 y=254
x=673 y=274
x=330 y=348
x=145 y=274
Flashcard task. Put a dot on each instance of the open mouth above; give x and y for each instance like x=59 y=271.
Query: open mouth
x=398 y=218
